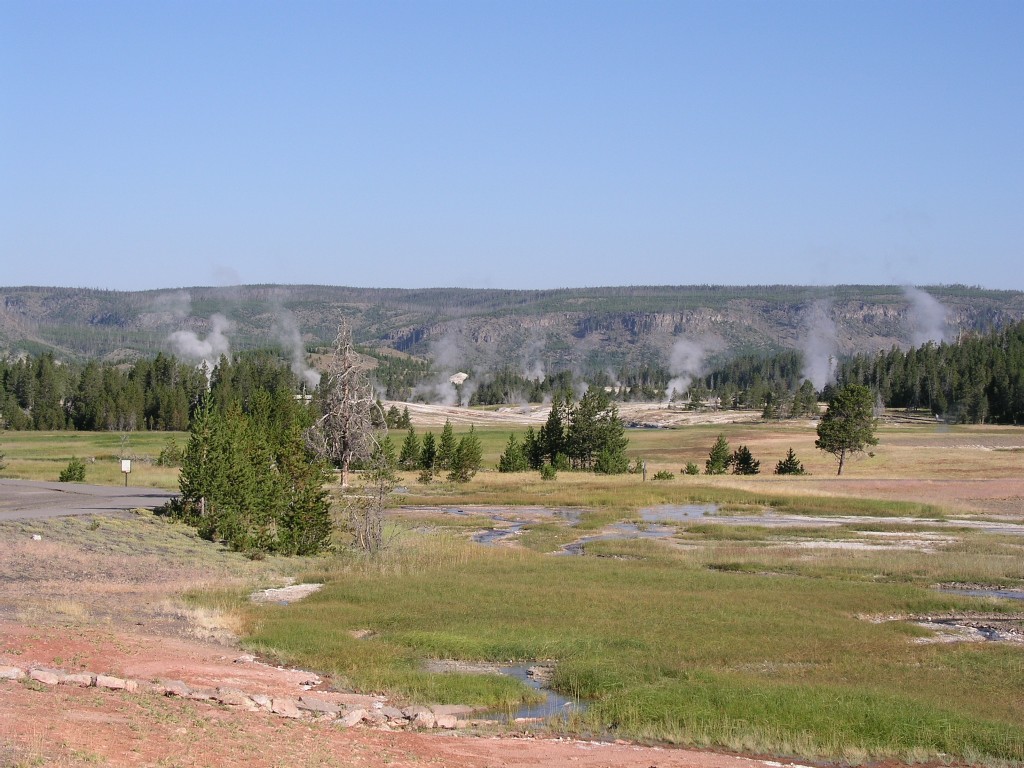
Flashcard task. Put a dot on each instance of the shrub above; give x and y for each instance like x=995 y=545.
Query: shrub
x=171 y=455
x=548 y=472
x=663 y=474
x=691 y=468
x=74 y=472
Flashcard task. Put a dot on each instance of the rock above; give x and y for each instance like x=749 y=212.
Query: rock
x=285 y=708
x=11 y=673
x=173 y=688
x=233 y=697
x=82 y=679
x=451 y=709
x=375 y=719
x=116 y=683
x=44 y=676
x=36 y=537
x=448 y=722
x=424 y=719
x=318 y=706
x=353 y=718
x=261 y=701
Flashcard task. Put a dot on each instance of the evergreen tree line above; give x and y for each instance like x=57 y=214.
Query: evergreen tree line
x=161 y=393
x=769 y=383
x=460 y=458
x=978 y=379
x=583 y=435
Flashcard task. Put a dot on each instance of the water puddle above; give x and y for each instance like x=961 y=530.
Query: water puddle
x=677 y=513
x=535 y=675
x=965 y=630
x=498 y=535
x=554 y=704
x=1005 y=594
x=619 y=531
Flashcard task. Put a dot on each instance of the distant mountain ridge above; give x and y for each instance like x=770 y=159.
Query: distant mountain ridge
x=529 y=330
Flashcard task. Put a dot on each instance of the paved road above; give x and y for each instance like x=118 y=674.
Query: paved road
x=29 y=499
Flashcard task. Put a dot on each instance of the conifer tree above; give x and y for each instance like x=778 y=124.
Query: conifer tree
x=428 y=453
x=719 y=459
x=789 y=465
x=743 y=462
x=409 y=456
x=446 y=447
x=848 y=426
x=514 y=457
x=467 y=459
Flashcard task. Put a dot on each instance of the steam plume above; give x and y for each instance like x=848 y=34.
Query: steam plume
x=685 y=362
x=930 y=318
x=189 y=346
x=286 y=328
x=820 y=345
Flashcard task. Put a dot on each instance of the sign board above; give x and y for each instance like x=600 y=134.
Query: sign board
x=126 y=465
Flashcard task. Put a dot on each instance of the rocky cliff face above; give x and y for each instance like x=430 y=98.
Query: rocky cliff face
x=531 y=331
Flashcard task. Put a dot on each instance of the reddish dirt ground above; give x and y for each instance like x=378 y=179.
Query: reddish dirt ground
x=69 y=726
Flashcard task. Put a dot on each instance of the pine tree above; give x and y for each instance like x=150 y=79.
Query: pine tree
x=789 y=465
x=409 y=456
x=428 y=453
x=446 y=447
x=719 y=459
x=514 y=457
x=848 y=426
x=467 y=459
x=743 y=462
x=533 y=448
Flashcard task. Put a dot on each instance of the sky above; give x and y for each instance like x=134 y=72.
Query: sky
x=511 y=144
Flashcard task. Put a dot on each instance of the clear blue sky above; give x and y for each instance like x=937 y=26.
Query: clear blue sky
x=511 y=144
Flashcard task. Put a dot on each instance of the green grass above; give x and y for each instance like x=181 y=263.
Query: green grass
x=664 y=648
x=42 y=456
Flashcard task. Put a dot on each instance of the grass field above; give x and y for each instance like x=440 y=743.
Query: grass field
x=789 y=641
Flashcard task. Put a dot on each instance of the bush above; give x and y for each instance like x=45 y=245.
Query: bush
x=691 y=468
x=548 y=472
x=171 y=455
x=74 y=472
x=663 y=474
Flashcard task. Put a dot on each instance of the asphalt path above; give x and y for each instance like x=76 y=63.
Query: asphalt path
x=32 y=500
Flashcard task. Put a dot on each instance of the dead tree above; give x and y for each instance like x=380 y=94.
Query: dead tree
x=344 y=431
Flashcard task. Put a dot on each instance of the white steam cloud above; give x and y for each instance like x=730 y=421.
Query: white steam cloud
x=685 y=363
x=189 y=346
x=820 y=345
x=286 y=329
x=930 y=319
x=447 y=355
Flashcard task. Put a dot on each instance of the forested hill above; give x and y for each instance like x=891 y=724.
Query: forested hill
x=584 y=328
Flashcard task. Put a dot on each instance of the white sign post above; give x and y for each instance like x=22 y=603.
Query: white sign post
x=126 y=467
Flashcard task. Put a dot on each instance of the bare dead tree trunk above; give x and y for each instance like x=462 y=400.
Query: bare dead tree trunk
x=344 y=431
